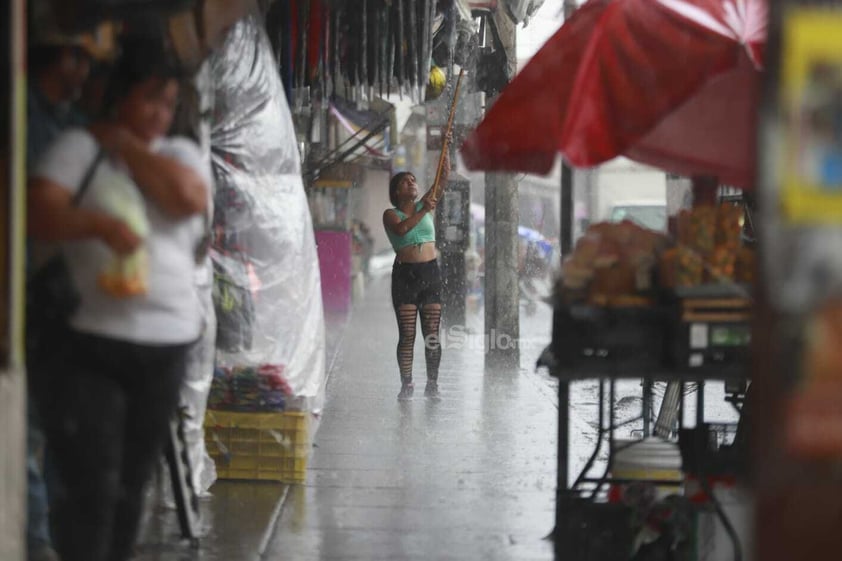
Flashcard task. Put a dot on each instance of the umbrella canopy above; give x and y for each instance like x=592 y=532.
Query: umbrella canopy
x=669 y=83
x=529 y=235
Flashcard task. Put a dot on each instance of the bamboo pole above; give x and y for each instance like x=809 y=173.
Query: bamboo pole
x=445 y=143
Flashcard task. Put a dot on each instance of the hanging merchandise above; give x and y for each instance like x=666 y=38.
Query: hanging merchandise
x=264 y=254
x=280 y=30
x=234 y=302
x=400 y=46
x=436 y=83
x=303 y=22
x=362 y=44
x=383 y=51
x=355 y=48
x=317 y=49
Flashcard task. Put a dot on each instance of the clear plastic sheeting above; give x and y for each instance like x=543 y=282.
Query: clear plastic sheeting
x=266 y=270
x=194 y=397
x=200 y=362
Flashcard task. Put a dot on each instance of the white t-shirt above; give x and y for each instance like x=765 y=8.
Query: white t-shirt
x=170 y=311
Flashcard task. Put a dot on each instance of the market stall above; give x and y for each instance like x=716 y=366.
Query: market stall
x=270 y=347
x=671 y=84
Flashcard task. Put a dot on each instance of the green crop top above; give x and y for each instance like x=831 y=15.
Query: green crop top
x=424 y=231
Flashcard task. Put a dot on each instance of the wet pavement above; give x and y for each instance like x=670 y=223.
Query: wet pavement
x=469 y=477
x=236 y=522
x=238 y=517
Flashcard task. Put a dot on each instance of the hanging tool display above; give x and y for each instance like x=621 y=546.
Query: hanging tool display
x=400 y=47
x=445 y=146
x=413 y=48
x=301 y=51
x=355 y=48
x=362 y=56
x=389 y=55
x=382 y=50
x=334 y=64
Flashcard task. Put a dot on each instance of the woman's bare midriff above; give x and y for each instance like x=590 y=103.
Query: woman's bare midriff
x=420 y=253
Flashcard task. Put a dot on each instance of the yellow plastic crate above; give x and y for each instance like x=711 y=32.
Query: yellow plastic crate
x=259 y=446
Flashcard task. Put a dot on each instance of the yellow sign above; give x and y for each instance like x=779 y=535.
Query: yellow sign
x=811 y=95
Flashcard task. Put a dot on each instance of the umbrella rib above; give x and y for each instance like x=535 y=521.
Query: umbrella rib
x=699 y=16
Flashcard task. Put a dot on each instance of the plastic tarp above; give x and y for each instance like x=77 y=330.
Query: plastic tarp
x=200 y=363
x=267 y=289
x=669 y=83
x=197 y=100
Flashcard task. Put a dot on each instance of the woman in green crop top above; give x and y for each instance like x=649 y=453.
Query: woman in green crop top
x=416 y=280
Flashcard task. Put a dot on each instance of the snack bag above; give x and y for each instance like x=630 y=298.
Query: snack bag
x=125 y=276
x=722 y=264
x=703 y=229
x=690 y=267
x=746 y=265
x=729 y=225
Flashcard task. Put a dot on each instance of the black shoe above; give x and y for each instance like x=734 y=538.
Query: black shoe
x=407 y=389
x=432 y=390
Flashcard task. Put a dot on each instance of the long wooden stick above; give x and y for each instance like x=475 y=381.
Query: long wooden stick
x=444 y=146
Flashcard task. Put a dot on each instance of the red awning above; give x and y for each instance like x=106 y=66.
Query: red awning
x=670 y=83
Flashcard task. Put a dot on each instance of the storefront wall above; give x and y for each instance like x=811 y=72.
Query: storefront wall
x=12 y=381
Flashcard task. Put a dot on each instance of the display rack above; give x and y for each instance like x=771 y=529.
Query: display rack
x=608 y=345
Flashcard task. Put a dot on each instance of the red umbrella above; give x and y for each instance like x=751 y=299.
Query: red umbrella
x=670 y=83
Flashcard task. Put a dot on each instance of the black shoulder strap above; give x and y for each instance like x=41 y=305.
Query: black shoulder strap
x=86 y=181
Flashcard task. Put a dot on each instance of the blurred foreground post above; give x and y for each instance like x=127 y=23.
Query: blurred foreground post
x=502 y=293
x=12 y=384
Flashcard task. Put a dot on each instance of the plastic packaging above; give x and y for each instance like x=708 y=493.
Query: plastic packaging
x=125 y=275
x=267 y=282
x=200 y=362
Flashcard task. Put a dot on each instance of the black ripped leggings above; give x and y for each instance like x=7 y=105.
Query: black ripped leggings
x=417 y=287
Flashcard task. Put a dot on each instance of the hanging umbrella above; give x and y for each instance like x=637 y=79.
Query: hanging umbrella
x=670 y=83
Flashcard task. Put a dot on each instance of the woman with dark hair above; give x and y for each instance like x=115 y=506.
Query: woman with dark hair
x=416 y=280
x=125 y=205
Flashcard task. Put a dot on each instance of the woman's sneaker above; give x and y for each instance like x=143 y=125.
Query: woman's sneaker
x=432 y=390
x=407 y=389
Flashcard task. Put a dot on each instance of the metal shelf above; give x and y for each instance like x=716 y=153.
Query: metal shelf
x=582 y=501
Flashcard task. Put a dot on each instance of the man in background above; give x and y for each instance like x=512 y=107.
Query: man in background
x=58 y=67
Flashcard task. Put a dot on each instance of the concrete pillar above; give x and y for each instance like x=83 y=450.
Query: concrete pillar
x=502 y=215
x=502 y=314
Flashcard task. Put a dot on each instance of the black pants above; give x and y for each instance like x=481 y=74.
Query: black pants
x=106 y=405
